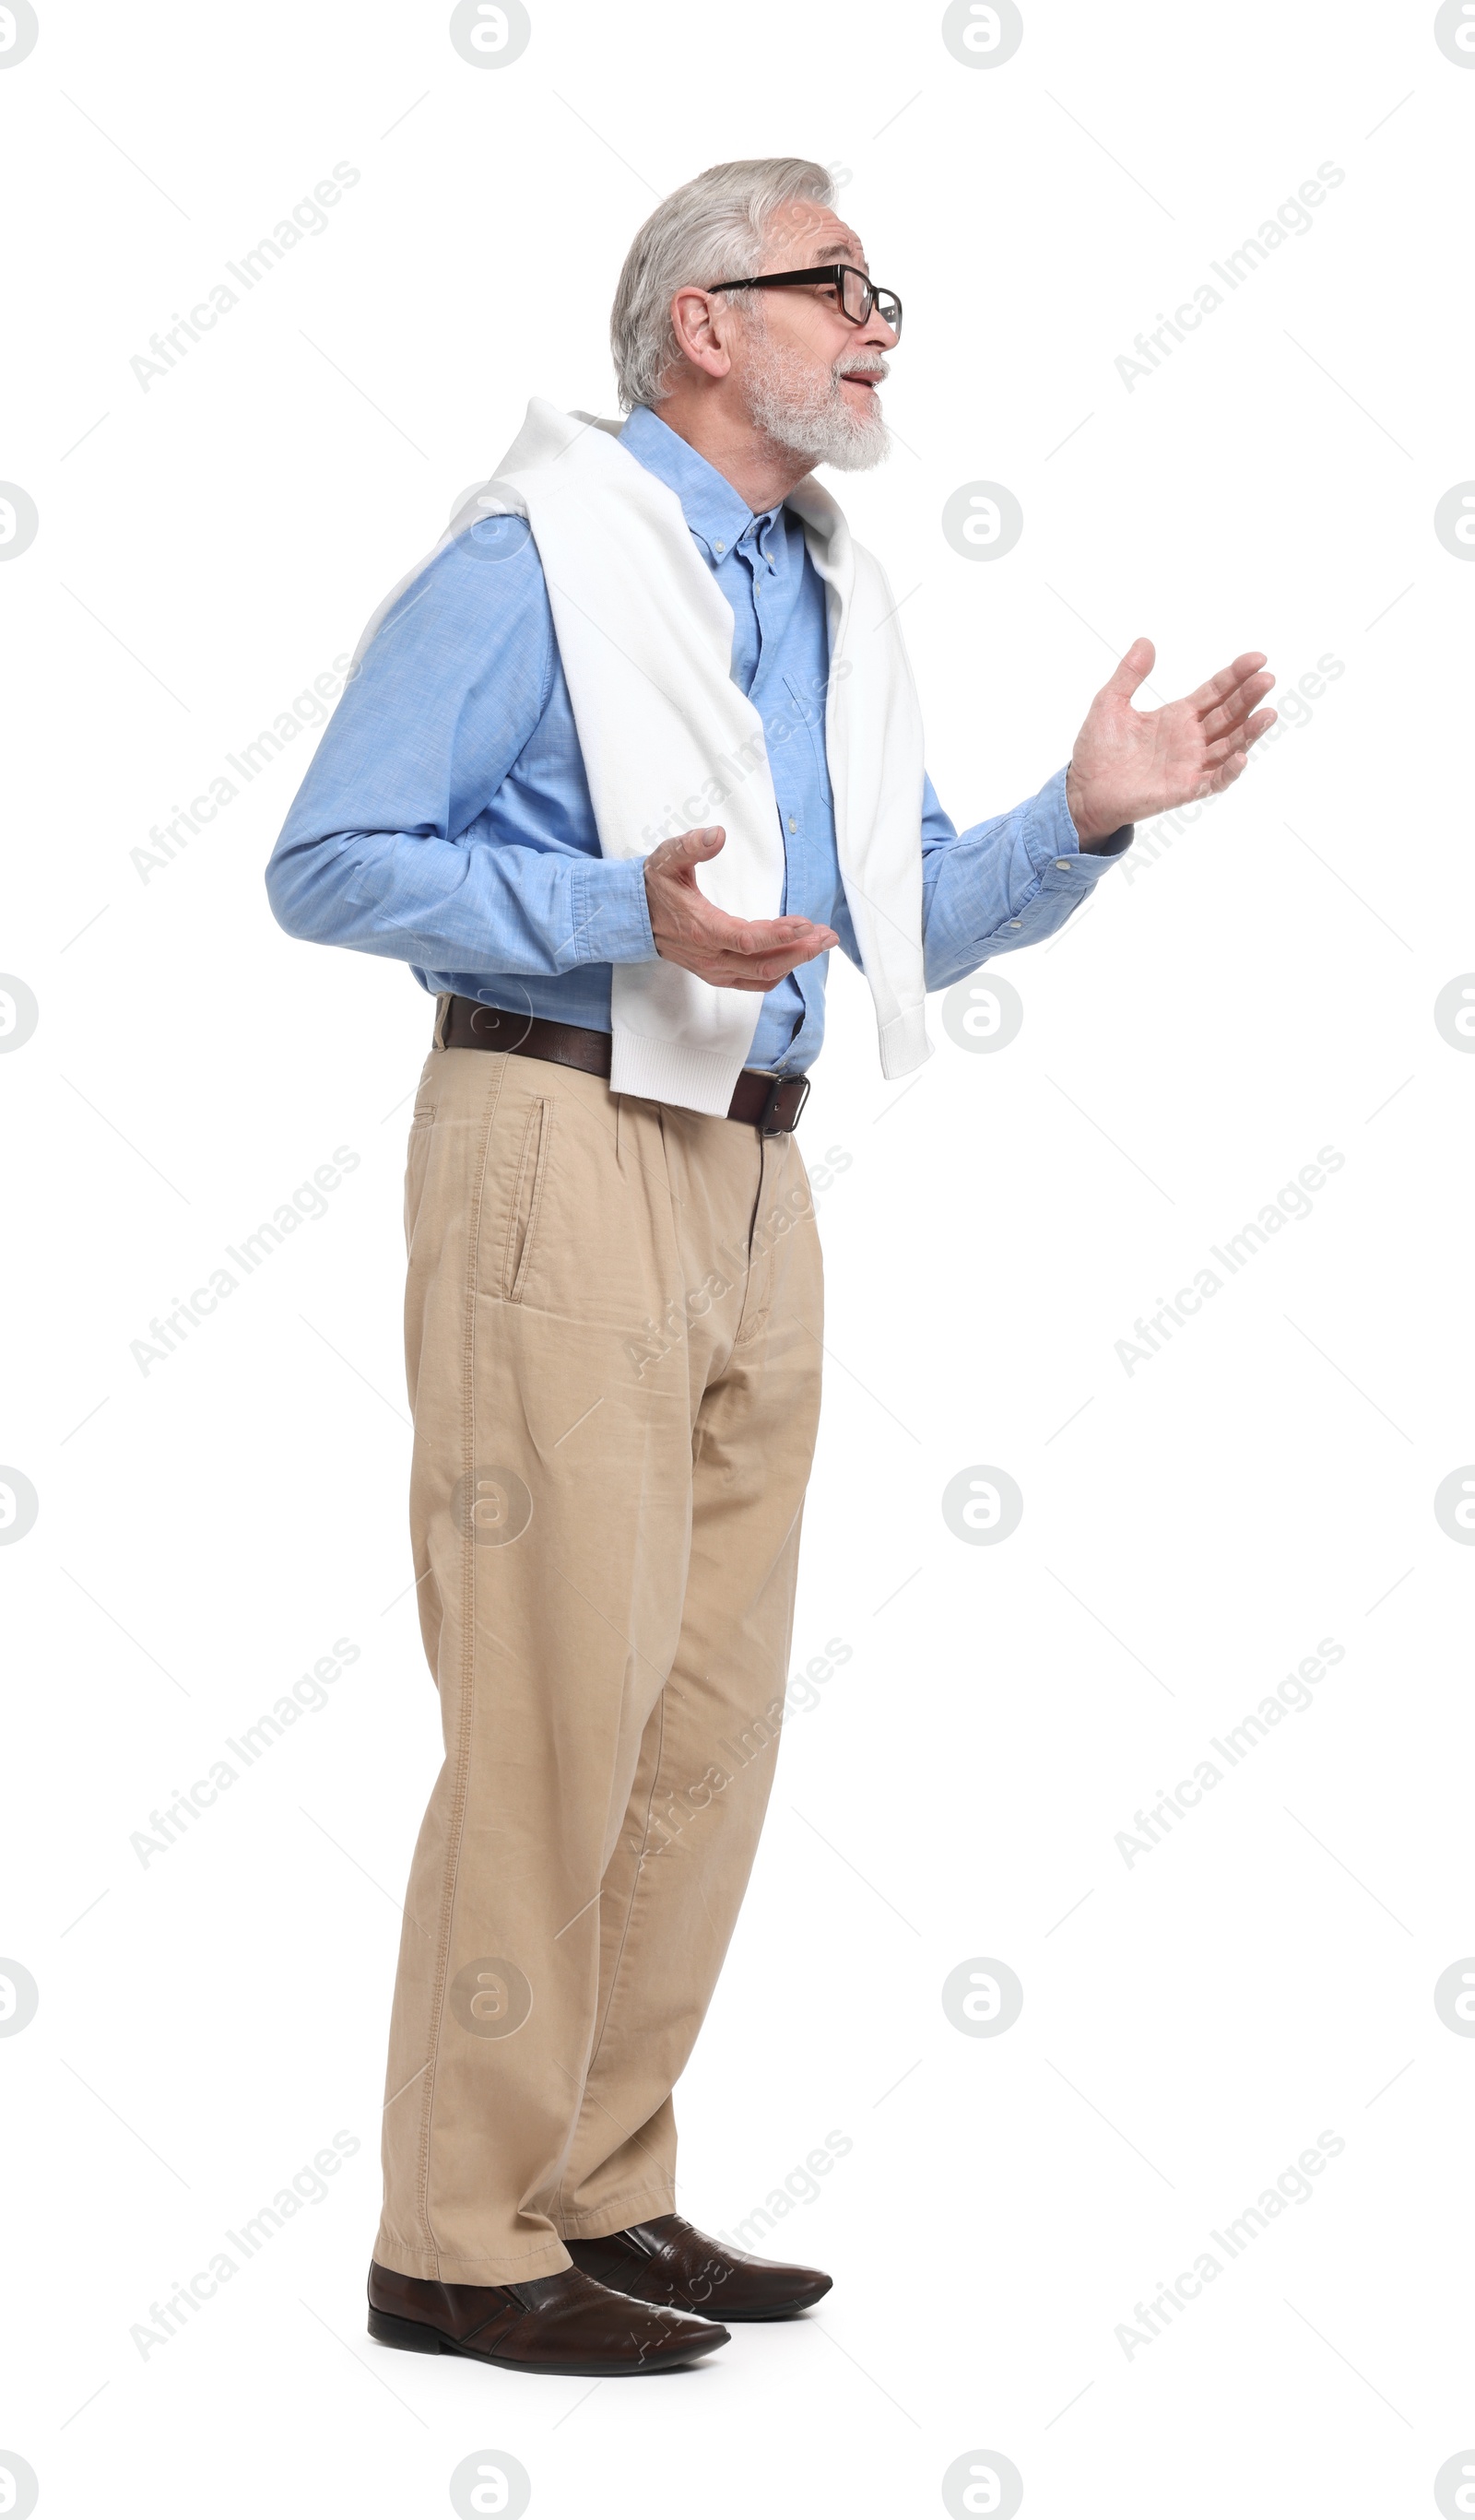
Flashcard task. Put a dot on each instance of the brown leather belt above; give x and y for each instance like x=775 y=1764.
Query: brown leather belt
x=771 y=1104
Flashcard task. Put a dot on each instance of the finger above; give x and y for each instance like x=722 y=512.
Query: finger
x=1238 y=704
x=1237 y=708
x=772 y=967
x=790 y=951
x=1229 y=678
x=700 y=924
x=712 y=931
x=1133 y=669
x=1226 y=777
x=1229 y=771
x=757 y=971
x=761 y=971
x=688 y=848
x=741 y=980
x=796 y=937
x=1242 y=739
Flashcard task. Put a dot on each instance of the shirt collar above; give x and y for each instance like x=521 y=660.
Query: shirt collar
x=716 y=513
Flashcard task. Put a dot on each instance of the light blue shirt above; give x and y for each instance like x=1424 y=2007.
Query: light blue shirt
x=446 y=820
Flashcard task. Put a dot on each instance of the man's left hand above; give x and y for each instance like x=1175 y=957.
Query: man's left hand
x=1129 y=764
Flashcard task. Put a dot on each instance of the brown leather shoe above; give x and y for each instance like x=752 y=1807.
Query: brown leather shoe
x=563 y=2322
x=666 y=2261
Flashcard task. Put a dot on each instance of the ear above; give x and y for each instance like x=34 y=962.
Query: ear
x=698 y=321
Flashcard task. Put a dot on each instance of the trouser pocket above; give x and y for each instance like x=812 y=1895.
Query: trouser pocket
x=526 y=1199
x=416 y=1162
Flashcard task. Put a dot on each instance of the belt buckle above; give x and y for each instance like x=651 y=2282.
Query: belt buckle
x=771 y=1122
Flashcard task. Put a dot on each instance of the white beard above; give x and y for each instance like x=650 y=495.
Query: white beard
x=803 y=408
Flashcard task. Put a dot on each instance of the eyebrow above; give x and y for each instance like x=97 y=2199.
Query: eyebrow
x=832 y=253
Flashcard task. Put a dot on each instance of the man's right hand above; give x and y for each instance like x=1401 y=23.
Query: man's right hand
x=730 y=953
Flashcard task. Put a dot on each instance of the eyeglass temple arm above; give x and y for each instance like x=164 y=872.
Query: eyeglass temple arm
x=774 y=280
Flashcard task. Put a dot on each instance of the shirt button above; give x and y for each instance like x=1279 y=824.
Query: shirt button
x=1063 y=864
x=792 y=824
x=719 y=548
x=1015 y=922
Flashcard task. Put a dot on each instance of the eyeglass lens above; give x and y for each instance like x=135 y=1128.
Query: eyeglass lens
x=860 y=297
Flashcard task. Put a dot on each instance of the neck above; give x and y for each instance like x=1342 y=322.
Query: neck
x=760 y=470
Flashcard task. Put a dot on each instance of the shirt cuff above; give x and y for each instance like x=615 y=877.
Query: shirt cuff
x=611 y=916
x=1054 y=836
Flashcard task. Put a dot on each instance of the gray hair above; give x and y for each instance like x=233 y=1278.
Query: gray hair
x=710 y=229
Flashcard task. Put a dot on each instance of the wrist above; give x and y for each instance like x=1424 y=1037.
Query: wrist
x=1092 y=829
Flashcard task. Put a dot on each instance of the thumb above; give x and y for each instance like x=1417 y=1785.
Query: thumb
x=688 y=848
x=1133 y=669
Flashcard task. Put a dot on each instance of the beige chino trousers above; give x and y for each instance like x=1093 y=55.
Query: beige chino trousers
x=612 y=1330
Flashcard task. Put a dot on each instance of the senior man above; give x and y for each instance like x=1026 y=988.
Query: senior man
x=641 y=650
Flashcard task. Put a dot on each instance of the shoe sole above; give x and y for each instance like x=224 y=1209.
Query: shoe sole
x=413 y=2337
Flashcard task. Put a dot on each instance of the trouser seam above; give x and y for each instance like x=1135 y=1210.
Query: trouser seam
x=619 y=1958
x=467 y=1708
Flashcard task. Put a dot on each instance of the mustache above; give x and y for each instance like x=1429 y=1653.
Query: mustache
x=873 y=366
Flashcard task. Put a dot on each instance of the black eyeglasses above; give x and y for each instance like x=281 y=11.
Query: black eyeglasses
x=856 y=293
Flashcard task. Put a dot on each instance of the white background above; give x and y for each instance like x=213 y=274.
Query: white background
x=1191 y=1530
